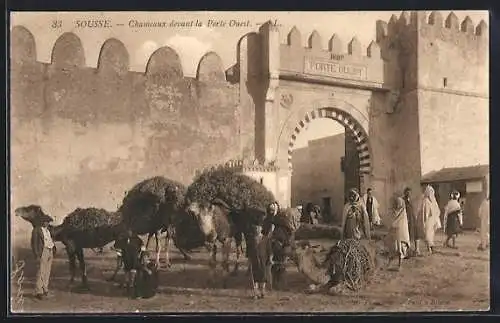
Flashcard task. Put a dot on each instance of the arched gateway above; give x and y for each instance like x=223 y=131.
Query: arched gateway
x=350 y=124
x=283 y=87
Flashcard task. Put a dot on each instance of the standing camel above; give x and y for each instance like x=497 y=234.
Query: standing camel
x=227 y=205
x=153 y=206
x=220 y=224
x=81 y=229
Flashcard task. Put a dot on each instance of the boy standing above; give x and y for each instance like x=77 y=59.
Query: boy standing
x=260 y=256
x=44 y=249
x=146 y=280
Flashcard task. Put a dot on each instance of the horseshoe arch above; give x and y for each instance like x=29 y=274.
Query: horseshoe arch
x=350 y=123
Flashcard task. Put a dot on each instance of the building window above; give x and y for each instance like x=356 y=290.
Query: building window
x=262 y=180
x=445 y=82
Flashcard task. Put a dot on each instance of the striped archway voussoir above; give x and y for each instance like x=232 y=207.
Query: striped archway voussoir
x=346 y=120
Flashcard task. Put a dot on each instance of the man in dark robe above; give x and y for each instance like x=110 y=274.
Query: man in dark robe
x=369 y=204
x=410 y=215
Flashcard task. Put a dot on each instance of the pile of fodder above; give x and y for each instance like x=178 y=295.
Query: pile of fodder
x=151 y=202
x=90 y=219
x=318 y=231
x=187 y=232
x=237 y=190
x=351 y=263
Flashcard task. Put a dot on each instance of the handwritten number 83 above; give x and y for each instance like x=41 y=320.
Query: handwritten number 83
x=56 y=24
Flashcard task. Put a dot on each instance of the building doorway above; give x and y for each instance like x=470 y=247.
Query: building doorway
x=325 y=165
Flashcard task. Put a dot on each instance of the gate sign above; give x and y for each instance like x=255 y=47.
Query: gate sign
x=334 y=68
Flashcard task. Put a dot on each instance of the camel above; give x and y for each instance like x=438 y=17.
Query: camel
x=351 y=262
x=88 y=228
x=219 y=224
x=225 y=195
x=152 y=207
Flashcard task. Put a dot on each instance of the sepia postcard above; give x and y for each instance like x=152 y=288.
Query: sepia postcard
x=249 y=162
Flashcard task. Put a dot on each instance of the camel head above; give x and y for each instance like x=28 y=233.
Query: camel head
x=204 y=213
x=121 y=230
x=33 y=214
x=304 y=258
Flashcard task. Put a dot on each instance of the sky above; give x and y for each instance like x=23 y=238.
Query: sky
x=192 y=42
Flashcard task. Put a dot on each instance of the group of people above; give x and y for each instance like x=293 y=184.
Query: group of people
x=311 y=214
x=410 y=226
x=141 y=271
x=360 y=215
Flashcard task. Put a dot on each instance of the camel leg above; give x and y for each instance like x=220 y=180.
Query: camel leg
x=226 y=251
x=70 y=250
x=239 y=251
x=158 y=250
x=149 y=238
x=168 y=245
x=213 y=263
x=83 y=268
x=237 y=261
x=249 y=270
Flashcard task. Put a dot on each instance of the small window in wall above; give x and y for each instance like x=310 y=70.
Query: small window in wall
x=445 y=82
x=262 y=180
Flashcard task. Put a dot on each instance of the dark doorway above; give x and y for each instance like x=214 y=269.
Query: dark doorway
x=351 y=163
x=327 y=209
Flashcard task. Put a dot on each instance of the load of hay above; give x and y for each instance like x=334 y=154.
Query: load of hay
x=150 y=200
x=89 y=219
x=350 y=263
x=237 y=190
x=90 y=227
x=187 y=232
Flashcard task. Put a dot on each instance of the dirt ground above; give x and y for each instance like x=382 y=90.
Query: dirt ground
x=449 y=280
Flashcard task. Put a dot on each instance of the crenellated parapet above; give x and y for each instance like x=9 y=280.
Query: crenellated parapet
x=155 y=121
x=335 y=45
x=70 y=88
x=68 y=52
x=349 y=60
x=427 y=50
x=463 y=34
